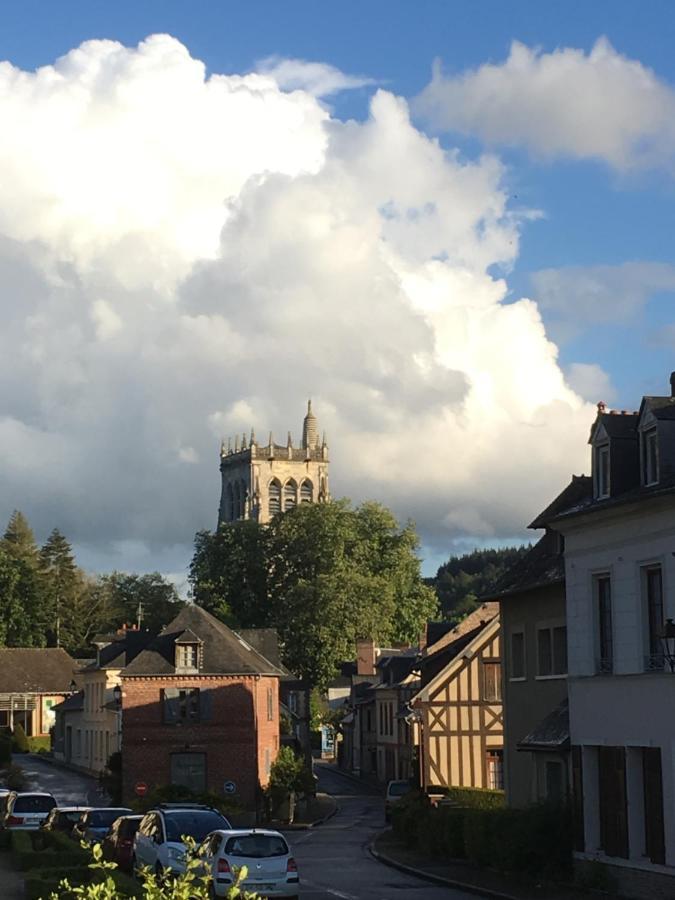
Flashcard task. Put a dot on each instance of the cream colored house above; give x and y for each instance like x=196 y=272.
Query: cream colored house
x=88 y=725
x=459 y=707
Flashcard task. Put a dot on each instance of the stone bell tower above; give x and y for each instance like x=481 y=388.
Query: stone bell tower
x=259 y=481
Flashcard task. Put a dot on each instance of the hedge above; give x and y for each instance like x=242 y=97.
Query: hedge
x=39 y=744
x=535 y=841
x=40 y=884
x=27 y=855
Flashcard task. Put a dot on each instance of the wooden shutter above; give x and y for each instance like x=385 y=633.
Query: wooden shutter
x=205 y=706
x=578 y=800
x=171 y=698
x=652 y=780
x=613 y=812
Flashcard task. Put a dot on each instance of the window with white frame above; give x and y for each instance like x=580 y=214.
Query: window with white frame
x=187 y=656
x=495 y=769
x=652 y=588
x=551 y=651
x=602 y=590
x=650 y=457
x=601 y=471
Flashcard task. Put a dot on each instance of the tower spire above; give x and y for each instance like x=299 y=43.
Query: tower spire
x=310 y=430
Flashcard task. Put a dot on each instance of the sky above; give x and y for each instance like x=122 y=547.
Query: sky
x=450 y=224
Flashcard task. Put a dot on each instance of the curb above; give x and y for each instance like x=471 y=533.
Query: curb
x=437 y=879
x=306 y=826
x=374 y=787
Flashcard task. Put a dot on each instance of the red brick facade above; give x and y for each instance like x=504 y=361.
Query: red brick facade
x=238 y=734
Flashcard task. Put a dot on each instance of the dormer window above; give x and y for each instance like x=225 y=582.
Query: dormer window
x=601 y=473
x=650 y=457
x=188 y=653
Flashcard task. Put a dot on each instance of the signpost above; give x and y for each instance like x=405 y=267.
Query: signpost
x=141 y=788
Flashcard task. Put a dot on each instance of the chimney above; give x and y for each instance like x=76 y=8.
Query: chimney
x=365 y=656
x=672 y=384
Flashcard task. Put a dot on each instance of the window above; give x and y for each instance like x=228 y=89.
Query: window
x=270 y=705
x=274 y=504
x=268 y=762
x=187 y=656
x=517 y=655
x=602 y=471
x=652 y=783
x=650 y=457
x=306 y=491
x=612 y=801
x=551 y=651
x=492 y=681
x=603 y=597
x=290 y=495
x=229 y=504
x=184 y=705
x=653 y=588
x=495 y=770
x=189 y=770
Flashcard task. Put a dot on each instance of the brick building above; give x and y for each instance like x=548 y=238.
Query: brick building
x=200 y=708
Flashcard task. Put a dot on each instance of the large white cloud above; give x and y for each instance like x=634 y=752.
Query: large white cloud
x=182 y=257
x=566 y=103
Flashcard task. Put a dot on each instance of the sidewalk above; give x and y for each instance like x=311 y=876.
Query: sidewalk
x=319 y=810
x=388 y=849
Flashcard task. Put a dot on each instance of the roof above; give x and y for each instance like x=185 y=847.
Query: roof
x=32 y=670
x=74 y=703
x=662 y=408
x=224 y=652
x=618 y=425
x=437 y=630
x=578 y=491
x=464 y=631
x=121 y=648
x=552 y=733
x=542 y=565
x=266 y=642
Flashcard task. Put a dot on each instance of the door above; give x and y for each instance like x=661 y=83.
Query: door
x=612 y=796
x=144 y=845
x=652 y=780
x=189 y=770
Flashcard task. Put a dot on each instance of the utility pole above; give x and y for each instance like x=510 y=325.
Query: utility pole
x=139 y=615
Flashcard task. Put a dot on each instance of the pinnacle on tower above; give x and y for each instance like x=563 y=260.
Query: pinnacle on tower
x=310 y=431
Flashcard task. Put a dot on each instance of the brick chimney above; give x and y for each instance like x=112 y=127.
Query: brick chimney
x=365 y=656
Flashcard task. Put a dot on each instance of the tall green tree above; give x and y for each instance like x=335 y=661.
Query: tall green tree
x=10 y=603
x=462 y=580
x=28 y=618
x=149 y=600
x=62 y=585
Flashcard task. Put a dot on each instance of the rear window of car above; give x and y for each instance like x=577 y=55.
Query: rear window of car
x=398 y=788
x=256 y=846
x=129 y=827
x=103 y=818
x=34 y=803
x=194 y=823
x=71 y=816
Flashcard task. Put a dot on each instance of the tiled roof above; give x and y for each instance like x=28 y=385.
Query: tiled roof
x=543 y=564
x=122 y=649
x=578 y=492
x=552 y=733
x=24 y=670
x=74 y=703
x=467 y=628
x=224 y=652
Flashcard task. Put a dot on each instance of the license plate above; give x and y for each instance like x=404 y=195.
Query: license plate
x=31 y=821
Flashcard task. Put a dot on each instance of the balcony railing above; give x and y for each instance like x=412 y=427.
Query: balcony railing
x=654 y=662
x=604 y=665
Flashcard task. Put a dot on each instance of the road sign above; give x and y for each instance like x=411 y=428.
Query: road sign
x=230 y=787
x=141 y=788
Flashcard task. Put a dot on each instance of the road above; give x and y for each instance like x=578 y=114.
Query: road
x=334 y=860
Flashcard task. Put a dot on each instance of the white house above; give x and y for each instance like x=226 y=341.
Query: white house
x=620 y=590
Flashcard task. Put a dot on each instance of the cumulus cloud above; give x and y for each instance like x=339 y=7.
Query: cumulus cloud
x=317 y=78
x=567 y=103
x=576 y=297
x=591 y=382
x=183 y=257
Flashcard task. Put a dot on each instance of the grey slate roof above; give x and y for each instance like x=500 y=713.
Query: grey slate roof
x=30 y=670
x=542 y=565
x=662 y=408
x=552 y=733
x=122 y=649
x=578 y=492
x=224 y=652
x=74 y=703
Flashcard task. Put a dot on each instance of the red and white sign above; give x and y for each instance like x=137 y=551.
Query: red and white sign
x=141 y=788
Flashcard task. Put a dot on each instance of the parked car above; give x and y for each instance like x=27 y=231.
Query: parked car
x=272 y=871
x=158 y=842
x=26 y=810
x=62 y=818
x=93 y=825
x=395 y=790
x=118 y=844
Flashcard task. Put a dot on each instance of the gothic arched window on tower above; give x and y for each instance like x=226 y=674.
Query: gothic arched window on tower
x=229 y=504
x=290 y=495
x=306 y=491
x=275 y=497
x=237 y=501
x=242 y=495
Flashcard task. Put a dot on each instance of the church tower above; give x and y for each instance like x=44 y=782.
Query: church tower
x=258 y=481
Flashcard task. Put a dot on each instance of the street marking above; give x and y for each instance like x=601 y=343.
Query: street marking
x=341 y=894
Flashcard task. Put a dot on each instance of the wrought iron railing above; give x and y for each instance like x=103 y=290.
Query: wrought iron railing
x=604 y=665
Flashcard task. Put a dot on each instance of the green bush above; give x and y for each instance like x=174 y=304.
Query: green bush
x=30 y=853
x=61 y=841
x=110 y=778
x=19 y=739
x=5 y=749
x=41 y=884
x=39 y=744
x=477 y=798
x=176 y=793
x=15 y=778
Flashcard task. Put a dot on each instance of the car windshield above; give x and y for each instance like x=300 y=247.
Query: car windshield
x=72 y=815
x=398 y=788
x=196 y=823
x=34 y=803
x=103 y=818
x=256 y=846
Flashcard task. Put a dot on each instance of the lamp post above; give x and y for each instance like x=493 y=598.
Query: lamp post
x=668 y=642
x=117 y=697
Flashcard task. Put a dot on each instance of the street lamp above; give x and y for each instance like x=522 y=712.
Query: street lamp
x=668 y=641
x=117 y=694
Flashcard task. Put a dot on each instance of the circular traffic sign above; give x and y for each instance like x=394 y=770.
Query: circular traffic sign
x=141 y=788
x=230 y=787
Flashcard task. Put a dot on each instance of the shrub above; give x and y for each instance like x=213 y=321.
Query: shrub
x=477 y=798
x=29 y=854
x=15 y=778
x=5 y=749
x=110 y=778
x=20 y=741
x=176 y=793
x=39 y=744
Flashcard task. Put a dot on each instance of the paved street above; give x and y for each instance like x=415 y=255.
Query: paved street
x=334 y=860
x=69 y=788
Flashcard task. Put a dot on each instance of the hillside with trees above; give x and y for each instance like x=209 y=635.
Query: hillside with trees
x=47 y=600
x=322 y=575
x=462 y=580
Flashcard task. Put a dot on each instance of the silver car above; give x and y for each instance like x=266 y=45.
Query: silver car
x=271 y=870
x=26 y=811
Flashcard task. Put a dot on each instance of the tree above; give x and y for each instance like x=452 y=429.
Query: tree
x=149 y=600
x=62 y=585
x=26 y=616
x=323 y=575
x=10 y=603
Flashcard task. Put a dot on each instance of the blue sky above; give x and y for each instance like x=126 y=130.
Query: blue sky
x=588 y=198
